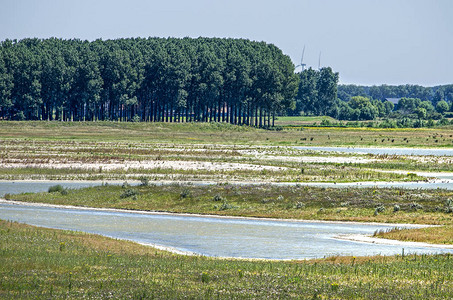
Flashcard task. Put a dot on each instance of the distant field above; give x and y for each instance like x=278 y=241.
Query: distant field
x=207 y=151
x=222 y=133
x=301 y=120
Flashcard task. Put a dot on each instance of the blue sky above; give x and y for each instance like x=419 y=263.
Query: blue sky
x=366 y=41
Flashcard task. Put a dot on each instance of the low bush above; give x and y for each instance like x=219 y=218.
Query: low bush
x=184 y=193
x=225 y=206
x=129 y=193
x=144 y=181
x=415 y=206
x=56 y=188
x=217 y=197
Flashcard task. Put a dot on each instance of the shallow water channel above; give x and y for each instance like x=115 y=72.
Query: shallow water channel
x=213 y=236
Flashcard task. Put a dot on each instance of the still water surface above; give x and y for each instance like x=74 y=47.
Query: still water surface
x=26 y=186
x=212 y=236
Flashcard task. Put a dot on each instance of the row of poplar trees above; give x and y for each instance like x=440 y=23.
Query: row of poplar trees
x=154 y=79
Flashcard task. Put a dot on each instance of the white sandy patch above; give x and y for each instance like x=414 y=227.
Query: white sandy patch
x=369 y=239
x=149 y=164
x=432 y=159
x=316 y=159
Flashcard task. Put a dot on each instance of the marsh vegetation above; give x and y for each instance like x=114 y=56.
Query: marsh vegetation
x=266 y=200
x=46 y=263
x=65 y=264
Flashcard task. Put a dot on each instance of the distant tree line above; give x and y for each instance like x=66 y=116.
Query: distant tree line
x=414 y=102
x=364 y=108
x=154 y=79
x=433 y=94
x=320 y=94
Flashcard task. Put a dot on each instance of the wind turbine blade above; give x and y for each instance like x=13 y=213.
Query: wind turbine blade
x=302 y=59
x=319 y=61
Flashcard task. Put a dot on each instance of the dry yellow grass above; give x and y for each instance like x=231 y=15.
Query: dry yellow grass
x=432 y=235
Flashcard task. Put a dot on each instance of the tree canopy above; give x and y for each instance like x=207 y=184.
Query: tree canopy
x=382 y=92
x=153 y=79
x=317 y=92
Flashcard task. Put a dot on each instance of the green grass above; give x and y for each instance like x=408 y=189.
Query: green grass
x=301 y=120
x=221 y=133
x=311 y=173
x=297 y=202
x=43 y=263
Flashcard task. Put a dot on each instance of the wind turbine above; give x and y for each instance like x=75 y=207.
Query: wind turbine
x=302 y=65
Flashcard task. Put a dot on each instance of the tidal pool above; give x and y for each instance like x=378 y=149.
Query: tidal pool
x=213 y=236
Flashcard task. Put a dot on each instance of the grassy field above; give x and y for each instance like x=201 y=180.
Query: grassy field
x=298 y=202
x=220 y=133
x=301 y=120
x=43 y=263
x=55 y=150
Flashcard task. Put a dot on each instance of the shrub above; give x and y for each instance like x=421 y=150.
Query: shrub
x=205 y=277
x=225 y=205
x=184 y=193
x=217 y=197
x=299 y=205
x=144 y=181
x=443 y=122
x=380 y=208
x=415 y=206
x=449 y=205
x=136 y=118
x=20 y=116
x=129 y=193
x=55 y=188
